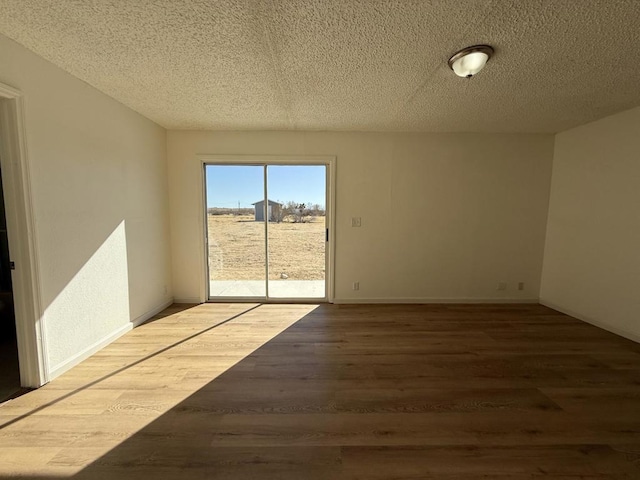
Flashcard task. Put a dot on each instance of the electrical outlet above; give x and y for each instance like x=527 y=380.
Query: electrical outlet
x=356 y=285
x=501 y=286
x=521 y=286
x=356 y=221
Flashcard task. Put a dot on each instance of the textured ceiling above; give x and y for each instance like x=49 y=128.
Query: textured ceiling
x=344 y=64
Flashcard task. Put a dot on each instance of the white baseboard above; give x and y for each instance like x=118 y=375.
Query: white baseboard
x=188 y=300
x=87 y=352
x=103 y=342
x=151 y=313
x=401 y=300
x=597 y=323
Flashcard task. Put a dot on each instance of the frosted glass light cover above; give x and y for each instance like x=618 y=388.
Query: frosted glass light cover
x=470 y=64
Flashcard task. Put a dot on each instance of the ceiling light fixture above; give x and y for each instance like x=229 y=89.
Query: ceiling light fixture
x=469 y=61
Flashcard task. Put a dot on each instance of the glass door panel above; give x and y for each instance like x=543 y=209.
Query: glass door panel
x=296 y=231
x=236 y=230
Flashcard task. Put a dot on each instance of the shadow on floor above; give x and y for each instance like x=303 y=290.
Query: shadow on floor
x=406 y=392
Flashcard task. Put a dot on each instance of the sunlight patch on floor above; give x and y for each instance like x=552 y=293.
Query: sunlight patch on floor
x=69 y=423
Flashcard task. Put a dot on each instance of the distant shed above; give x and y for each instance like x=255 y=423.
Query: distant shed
x=274 y=210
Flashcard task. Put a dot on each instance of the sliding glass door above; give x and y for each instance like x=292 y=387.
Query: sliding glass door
x=296 y=242
x=237 y=254
x=267 y=231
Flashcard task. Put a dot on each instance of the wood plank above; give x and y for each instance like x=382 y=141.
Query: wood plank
x=556 y=461
x=338 y=392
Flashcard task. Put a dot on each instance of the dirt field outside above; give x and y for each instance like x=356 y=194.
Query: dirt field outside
x=236 y=249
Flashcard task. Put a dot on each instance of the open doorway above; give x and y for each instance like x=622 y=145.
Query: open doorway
x=268 y=231
x=9 y=367
x=21 y=313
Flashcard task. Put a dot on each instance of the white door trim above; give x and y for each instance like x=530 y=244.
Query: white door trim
x=328 y=160
x=21 y=230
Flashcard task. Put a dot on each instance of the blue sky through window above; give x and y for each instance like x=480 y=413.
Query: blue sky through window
x=230 y=185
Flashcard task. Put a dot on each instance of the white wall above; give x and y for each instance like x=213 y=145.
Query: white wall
x=444 y=216
x=98 y=172
x=592 y=255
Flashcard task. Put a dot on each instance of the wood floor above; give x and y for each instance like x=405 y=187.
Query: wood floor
x=338 y=392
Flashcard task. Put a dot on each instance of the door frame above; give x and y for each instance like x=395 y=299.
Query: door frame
x=329 y=161
x=21 y=229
